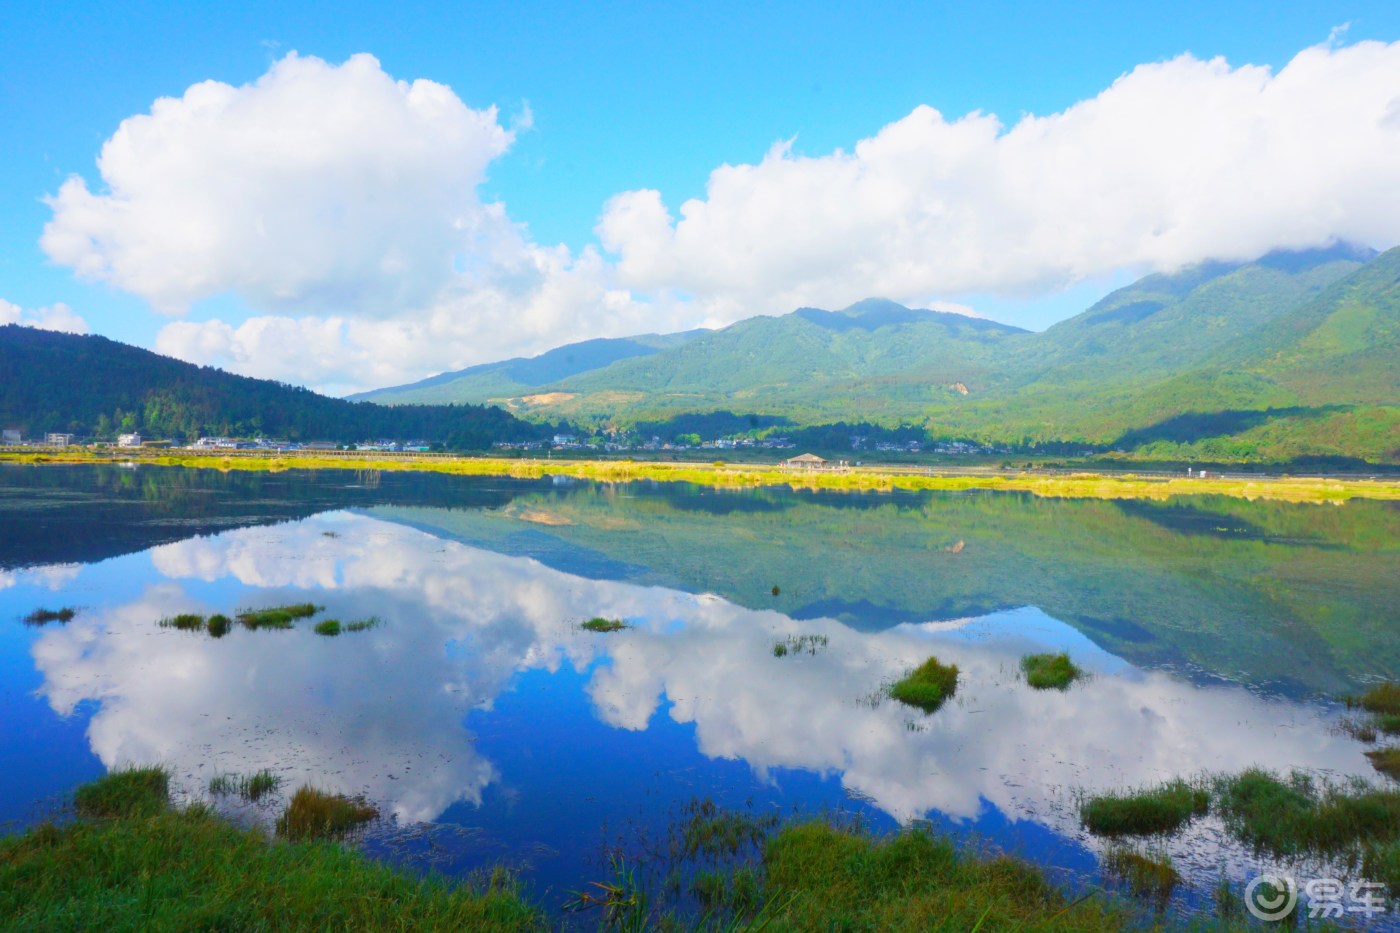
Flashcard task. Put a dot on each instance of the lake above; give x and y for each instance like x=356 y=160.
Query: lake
x=489 y=728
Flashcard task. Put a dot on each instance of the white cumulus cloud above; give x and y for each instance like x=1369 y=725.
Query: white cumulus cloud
x=57 y=316
x=1176 y=162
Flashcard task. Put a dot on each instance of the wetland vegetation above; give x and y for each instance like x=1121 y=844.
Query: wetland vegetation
x=42 y=616
x=1050 y=671
x=1148 y=812
x=928 y=686
x=600 y=624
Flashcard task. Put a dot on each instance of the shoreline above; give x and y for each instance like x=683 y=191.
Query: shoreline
x=872 y=478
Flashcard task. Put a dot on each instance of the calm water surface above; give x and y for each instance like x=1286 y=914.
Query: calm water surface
x=490 y=728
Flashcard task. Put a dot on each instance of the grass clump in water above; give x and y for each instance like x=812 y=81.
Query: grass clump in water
x=250 y=787
x=1383 y=699
x=1381 y=862
x=1160 y=810
x=709 y=831
x=126 y=792
x=219 y=625
x=317 y=814
x=1150 y=876
x=185 y=622
x=1386 y=761
x=1298 y=816
x=277 y=617
x=330 y=627
x=190 y=870
x=600 y=624
x=42 y=616
x=1050 y=671
x=928 y=686
x=796 y=644
x=363 y=625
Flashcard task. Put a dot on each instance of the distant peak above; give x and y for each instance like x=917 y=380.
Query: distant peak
x=875 y=306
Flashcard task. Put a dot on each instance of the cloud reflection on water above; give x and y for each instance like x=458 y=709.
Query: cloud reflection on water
x=381 y=712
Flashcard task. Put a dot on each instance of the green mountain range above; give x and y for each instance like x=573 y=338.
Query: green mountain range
x=1292 y=356
x=92 y=386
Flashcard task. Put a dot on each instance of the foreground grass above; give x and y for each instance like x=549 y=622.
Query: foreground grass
x=1155 y=811
x=835 y=879
x=1079 y=485
x=1050 y=671
x=150 y=867
x=928 y=686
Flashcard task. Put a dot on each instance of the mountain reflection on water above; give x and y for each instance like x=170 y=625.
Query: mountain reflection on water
x=479 y=675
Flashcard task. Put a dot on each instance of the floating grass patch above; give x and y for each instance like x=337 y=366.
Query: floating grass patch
x=317 y=814
x=1150 y=876
x=1050 y=671
x=125 y=792
x=363 y=625
x=277 y=617
x=330 y=627
x=250 y=787
x=600 y=624
x=797 y=644
x=928 y=686
x=1363 y=730
x=185 y=622
x=219 y=625
x=776 y=590
x=1300 y=816
x=1386 y=761
x=1156 y=811
x=43 y=616
x=191 y=870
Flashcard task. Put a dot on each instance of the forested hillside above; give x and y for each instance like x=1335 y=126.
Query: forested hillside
x=95 y=386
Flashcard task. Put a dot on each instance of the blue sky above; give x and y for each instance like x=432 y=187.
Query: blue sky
x=620 y=98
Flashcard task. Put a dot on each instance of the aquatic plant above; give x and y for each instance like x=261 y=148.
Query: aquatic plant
x=363 y=625
x=796 y=644
x=318 y=814
x=841 y=879
x=43 y=616
x=1159 y=810
x=1363 y=730
x=1301 y=815
x=600 y=624
x=1381 y=862
x=327 y=627
x=219 y=625
x=277 y=617
x=1050 y=671
x=185 y=622
x=1386 y=761
x=250 y=787
x=776 y=590
x=709 y=831
x=623 y=901
x=1383 y=699
x=1149 y=875
x=187 y=869
x=127 y=792
x=928 y=686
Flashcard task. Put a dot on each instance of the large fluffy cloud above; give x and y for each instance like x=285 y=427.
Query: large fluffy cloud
x=1174 y=163
x=57 y=316
x=343 y=207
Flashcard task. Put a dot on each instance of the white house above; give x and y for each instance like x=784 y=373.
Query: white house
x=55 y=439
x=128 y=440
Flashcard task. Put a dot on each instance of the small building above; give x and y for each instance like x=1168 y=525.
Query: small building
x=11 y=437
x=128 y=440
x=804 y=462
x=56 y=439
